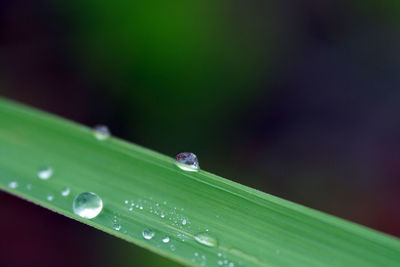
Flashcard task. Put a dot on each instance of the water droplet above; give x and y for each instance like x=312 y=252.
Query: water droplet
x=220 y=262
x=148 y=233
x=65 y=192
x=116 y=226
x=126 y=201
x=165 y=239
x=101 y=132
x=219 y=254
x=130 y=209
x=172 y=247
x=187 y=161
x=29 y=186
x=196 y=254
x=184 y=222
x=162 y=215
x=13 y=184
x=87 y=205
x=50 y=198
x=206 y=239
x=141 y=207
x=45 y=172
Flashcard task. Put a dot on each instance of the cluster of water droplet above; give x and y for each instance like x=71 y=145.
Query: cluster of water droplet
x=224 y=261
x=88 y=205
x=200 y=259
x=116 y=225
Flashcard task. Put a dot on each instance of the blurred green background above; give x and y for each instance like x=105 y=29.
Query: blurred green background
x=299 y=99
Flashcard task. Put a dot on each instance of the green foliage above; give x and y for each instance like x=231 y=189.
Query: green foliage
x=249 y=228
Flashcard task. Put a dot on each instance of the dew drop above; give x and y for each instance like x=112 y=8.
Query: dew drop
x=87 y=205
x=45 y=172
x=184 y=222
x=65 y=192
x=116 y=226
x=148 y=234
x=101 y=132
x=29 y=186
x=13 y=184
x=187 y=161
x=165 y=239
x=206 y=239
x=50 y=198
x=126 y=201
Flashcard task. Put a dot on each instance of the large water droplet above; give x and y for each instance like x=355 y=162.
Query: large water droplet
x=187 y=161
x=166 y=239
x=148 y=233
x=45 y=172
x=87 y=205
x=206 y=239
x=101 y=132
x=13 y=184
x=65 y=192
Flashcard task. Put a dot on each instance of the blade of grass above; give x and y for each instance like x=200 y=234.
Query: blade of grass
x=142 y=190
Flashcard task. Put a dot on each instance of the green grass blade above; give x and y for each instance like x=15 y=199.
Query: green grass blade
x=251 y=228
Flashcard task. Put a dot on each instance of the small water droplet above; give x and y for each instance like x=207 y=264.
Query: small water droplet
x=162 y=215
x=196 y=254
x=141 y=207
x=172 y=247
x=101 y=132
x=50 y=198
x=87 y=205
x=206 y=239
x=231 y=264
x=29 y=186
x=65 y=192
x=45 y=172
x=126 y=201
x=116 y=226
x=148 y=233
x=184 y=222
x=165 y=239
x=13 y=184
x=130 y=209
x=220 y=262
x=219 y=254
x=187 y=161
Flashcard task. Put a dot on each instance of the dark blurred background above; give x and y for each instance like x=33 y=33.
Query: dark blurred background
x=299 y=99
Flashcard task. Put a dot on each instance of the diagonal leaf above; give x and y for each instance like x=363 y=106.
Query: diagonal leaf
x=208 y=220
